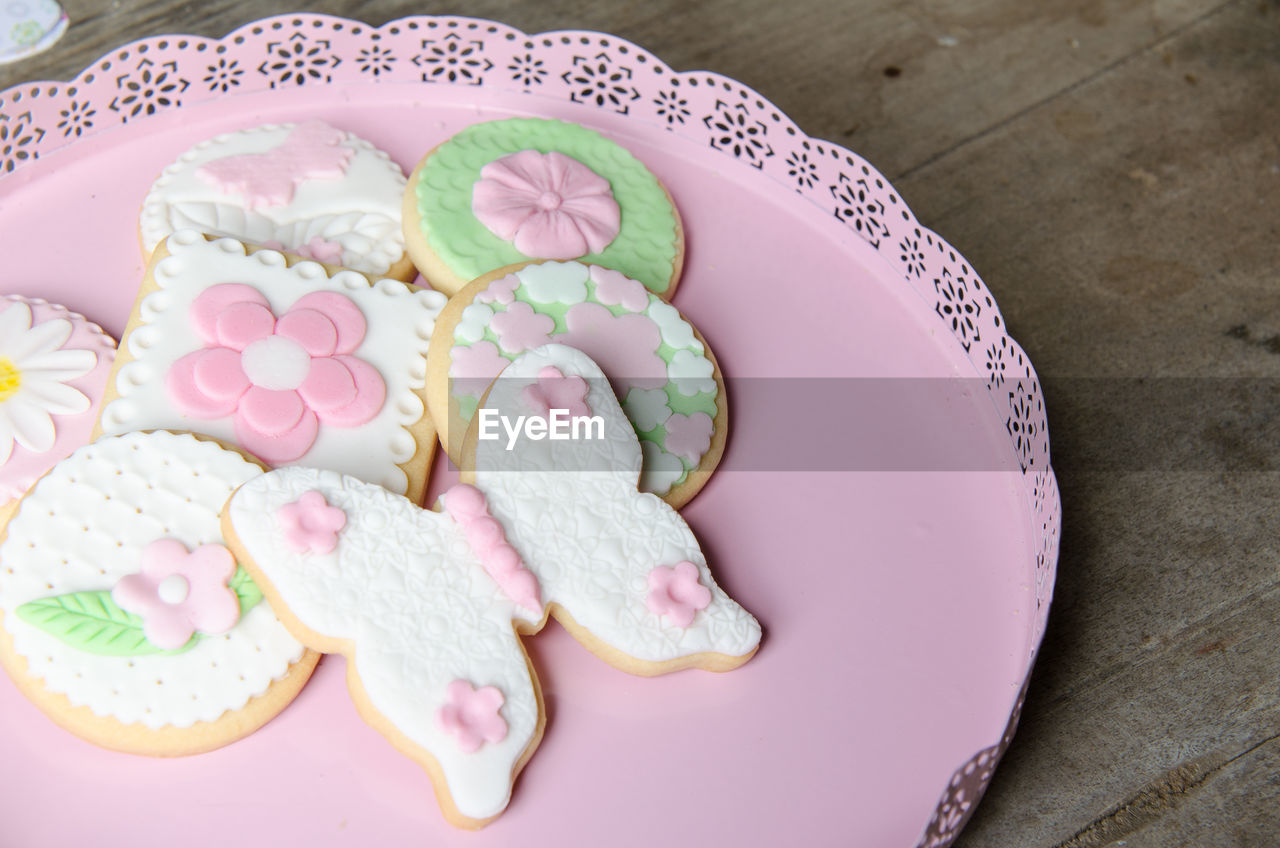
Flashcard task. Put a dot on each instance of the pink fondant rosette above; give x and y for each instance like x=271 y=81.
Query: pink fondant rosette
x=53 y=370
x=508 y=191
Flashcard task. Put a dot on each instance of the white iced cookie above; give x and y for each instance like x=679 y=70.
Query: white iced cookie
x=309 y=188
x=292 y=363
x=427 y=606
x=125 y=618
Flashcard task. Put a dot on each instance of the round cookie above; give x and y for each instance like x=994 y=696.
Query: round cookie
x=504 y=192
x=125 y=619
x=661 y=368
x=310 y=189
x=53 y=370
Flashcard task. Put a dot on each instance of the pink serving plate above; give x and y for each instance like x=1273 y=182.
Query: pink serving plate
x=903 y=593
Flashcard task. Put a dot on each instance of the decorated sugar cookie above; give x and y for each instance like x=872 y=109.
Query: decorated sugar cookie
x=309 y=188
x=287 y=361
x=125 y=616
x=508 y=191
x=53 y=369
x=427 y=606
x=660 y=367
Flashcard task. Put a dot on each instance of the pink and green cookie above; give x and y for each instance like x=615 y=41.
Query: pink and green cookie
x=504 y=192
x=660 y=367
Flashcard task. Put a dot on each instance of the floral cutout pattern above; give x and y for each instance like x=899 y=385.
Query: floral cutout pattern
x=310 y=524
x=281 y=378
x=178 y=592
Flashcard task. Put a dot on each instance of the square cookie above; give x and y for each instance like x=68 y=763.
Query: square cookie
x=292 y=361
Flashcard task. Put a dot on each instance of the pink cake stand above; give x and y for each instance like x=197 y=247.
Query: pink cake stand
x=886 y=506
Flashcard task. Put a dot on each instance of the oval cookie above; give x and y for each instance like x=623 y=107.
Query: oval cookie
x=124 y=616
x=508 y=191
x=311 y=189
x=53 y=370
x=660 y=367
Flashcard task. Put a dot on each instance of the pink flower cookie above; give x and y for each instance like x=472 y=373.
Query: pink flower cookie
x=430 y=606
x=53 y=370
x=504 y=192
x=127 y=619
x=308 y=188
x=656 y=362
x=291 y=362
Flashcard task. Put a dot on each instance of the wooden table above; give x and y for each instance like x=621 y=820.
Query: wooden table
x=1112 y=169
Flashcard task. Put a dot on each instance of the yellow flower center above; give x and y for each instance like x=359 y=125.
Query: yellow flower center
x=10 y=378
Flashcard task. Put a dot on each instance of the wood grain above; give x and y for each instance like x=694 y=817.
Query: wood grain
x=1112 y=169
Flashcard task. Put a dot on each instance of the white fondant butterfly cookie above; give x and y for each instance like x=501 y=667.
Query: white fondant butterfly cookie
x=428 y=606
x=309 y=188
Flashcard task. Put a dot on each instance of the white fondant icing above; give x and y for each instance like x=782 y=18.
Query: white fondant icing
x=555 y=282
x=647 y=408
x=399 y=324
x=676 y=332
x=661 y=469
x=474 y=319
x=173 y=589
x=691 y=373
x=276 y=363
x=84 y=526
x=572 y=510
x=404 y=586
x=360 y=211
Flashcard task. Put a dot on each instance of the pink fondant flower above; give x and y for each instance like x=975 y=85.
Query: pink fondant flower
x=624 y=346
x=519 y=328
x=310 y=524
x=473 y=367
x=280 y=378
x=471 y=715
x=688 y=436
x=549 y=205
x=556 y=391
x=179 y=592
x=312 y=151
x=503 y=291
x=614 y=288
x=676 y=593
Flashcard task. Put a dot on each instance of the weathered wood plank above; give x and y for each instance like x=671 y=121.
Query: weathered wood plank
x=1129 y=227
x=898 y=82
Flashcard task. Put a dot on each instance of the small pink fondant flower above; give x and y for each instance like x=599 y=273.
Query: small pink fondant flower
x=310 y=524
x=318 y=249
x=549 y=205
x=473 y=368
x=688 y=436
x=503 y=291
x=280 y=378
x=624 y=346
x=179 y=592
x=676 y=593
x=614 y=288
x=519 y=328
x=471 y=715
x=556 y=391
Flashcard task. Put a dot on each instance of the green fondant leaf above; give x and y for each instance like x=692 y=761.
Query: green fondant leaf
x=91 y=622
x=247 y=592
